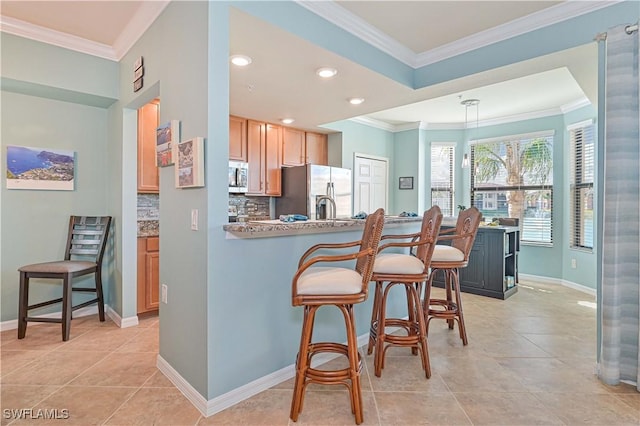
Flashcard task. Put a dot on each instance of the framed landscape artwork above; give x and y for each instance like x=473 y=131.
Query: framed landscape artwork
x=167 y=135
x=40 y=168
x=190 y=163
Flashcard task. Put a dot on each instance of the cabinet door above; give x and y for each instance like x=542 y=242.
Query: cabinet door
x=152 y=284
x=148 y=180
x=293 y=147
x=272 y=160
x=142 y=275
x=237 y=138
x=317 y=148
x=255 y=154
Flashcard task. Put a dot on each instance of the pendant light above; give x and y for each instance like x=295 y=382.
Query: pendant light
x=469 y=103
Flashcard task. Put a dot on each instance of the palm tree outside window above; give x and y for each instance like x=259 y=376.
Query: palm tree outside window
x=513 y=177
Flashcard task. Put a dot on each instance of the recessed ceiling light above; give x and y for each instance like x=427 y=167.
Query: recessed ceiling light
x=356 y=101
x=240 y=60
x=326 y=72
x=287 y=120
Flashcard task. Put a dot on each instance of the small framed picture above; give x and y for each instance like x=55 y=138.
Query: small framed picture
x=405 y=182
x=190 y=163
x=167 y=135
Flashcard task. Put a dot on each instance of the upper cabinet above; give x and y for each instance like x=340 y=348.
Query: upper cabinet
x=293 y=147
x=263 y=155
x=148 y=180
x=317 y=150
x=237 y=138
x=299 y=147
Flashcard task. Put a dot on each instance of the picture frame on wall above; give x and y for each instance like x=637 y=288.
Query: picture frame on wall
x=405 y=182
x=47 y=169
x=189 y=157
x=167 y=136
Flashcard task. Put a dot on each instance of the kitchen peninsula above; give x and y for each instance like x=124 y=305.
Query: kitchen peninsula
x=493 y=262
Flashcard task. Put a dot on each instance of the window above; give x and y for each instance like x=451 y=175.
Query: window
x=442 y=156
x=513 y=177
x=581 y=138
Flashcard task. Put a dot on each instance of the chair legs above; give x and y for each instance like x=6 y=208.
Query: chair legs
x=22 y=305
x=66 y=299
x=447 y=309
x=305 y=374
x=415 y=326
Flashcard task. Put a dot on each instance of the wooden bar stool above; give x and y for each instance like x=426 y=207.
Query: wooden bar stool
x=449 y=259
x=316 y=286
x=411 y=271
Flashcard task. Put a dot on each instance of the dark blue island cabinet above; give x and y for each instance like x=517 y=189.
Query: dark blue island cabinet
x=493 y=263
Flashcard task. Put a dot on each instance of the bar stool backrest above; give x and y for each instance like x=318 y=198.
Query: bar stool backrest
x=431 y=220
x=370 y=239
x=467 y=228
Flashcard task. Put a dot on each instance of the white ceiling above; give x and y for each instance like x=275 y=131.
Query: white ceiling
x=281 y=80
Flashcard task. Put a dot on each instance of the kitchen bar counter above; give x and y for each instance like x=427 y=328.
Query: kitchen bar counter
x=276 y=228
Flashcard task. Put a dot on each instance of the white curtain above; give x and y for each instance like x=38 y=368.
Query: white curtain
x=619 y=359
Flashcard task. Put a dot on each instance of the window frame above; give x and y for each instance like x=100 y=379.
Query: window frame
x=577 y=183
x=497 y=189
x=451 y=146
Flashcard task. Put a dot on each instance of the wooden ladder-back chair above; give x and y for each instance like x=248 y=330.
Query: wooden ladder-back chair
x=449 y=259
x=315 y=286
x=86 y=242
x=410 y=270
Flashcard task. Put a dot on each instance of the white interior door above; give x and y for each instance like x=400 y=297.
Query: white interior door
x=370 y=186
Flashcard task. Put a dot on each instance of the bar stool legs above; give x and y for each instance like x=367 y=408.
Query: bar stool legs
x=447 y=309
x=305 y=374
x=414 y=325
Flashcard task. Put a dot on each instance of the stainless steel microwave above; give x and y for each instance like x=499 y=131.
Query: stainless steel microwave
x=238 y=177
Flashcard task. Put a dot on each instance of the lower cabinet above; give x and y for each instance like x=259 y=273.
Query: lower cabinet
x=148 y=274
x=493 y=263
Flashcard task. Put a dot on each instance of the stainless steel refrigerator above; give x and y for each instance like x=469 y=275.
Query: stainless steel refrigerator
x=302 y=185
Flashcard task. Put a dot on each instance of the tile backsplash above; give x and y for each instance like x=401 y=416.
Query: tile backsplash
x=251 y=207
x=148 y=206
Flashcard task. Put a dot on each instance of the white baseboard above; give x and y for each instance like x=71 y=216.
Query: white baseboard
x=558 y=281
x=231 y=398
x=82 y=312
x=121 y=322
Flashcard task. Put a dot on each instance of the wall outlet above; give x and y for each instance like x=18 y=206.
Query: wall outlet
x=194 y=219
x=574 y=263
x=163 y=293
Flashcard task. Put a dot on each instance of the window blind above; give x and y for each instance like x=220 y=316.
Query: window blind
x=513 y=177
x=442 y=158
x=582 y=175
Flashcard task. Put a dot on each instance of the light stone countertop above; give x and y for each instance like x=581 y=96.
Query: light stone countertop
x=275 y=228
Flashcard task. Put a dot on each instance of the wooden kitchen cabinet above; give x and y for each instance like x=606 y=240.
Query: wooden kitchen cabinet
x=148 y=274
x=148 y=179
x=237 y=138
x=316 y=148
x=263 y=155
x=293 y=147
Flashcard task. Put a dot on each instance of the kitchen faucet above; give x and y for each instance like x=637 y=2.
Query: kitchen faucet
x=332 y=213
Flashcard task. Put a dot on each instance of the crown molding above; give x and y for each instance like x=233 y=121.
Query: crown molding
x=350 y=22
x=577 y=104
x=139 y=23
x=372 y=122
x=56 y=38
x=535 y=21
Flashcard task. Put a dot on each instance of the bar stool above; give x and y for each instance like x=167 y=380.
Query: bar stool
x=316 y=286
x=411 y=271
x=449 y=259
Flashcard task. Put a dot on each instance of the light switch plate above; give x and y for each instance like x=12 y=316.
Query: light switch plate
x=194 y=219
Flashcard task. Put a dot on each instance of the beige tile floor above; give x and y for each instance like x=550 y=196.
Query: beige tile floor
x=530 y=361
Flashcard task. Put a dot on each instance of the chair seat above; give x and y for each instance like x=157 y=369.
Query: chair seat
x=328 y=280
x=442 y=253
x=397 y=263
x=59 y=267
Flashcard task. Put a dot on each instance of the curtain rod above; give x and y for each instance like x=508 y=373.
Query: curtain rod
x=629 y=29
